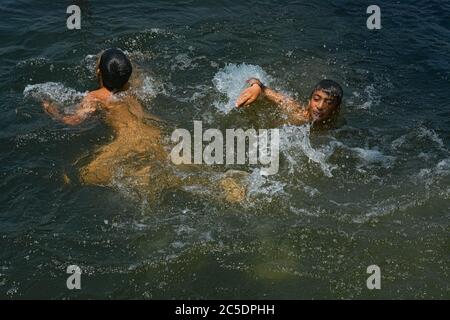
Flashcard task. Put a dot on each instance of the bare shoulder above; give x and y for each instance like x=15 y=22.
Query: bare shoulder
x=101 y=95
x=96 y=99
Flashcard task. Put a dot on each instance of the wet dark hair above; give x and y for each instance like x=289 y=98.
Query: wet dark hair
x=115 y=68
x=330 y=87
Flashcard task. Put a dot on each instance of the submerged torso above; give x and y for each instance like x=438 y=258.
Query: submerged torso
x=128 y=120
x=136 y=158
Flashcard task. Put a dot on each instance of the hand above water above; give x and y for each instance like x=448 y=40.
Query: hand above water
x=250 y=94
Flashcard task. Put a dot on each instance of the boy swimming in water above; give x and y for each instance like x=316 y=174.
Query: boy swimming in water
x=322 y=109
x=136 y=157
x=136 y=153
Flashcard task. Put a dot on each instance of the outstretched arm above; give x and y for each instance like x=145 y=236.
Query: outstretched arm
x=83 y=111
x=295 y=112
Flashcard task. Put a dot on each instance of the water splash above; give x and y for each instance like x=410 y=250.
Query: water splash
x=370 y=156
x=53 y=91
x=264 y=185
x=230 y=81
x=149 y=88
x=89 y=63
x=294 y=139
x=184 y=62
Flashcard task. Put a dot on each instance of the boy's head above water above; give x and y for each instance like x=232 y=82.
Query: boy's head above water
x=114 y=69
x=325 y=100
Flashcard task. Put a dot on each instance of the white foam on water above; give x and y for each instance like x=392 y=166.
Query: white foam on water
x=260 y=184
x=149 y=88
x=230 y=81
x=432 y=135
x=388 y=207
x=200 y=92
x=156 y=31
x=38 y=61
x=305 y=212
x=409 y=140
x=294 y=139
x=369 y=156
x=53 y=91
x=184 y=230
x=399 y=142
x=90 y=62
x=295 y=142
x=139 y=41
x=365 y=99
x=443 y=167
x=430 y=176
x=311 y=191
x=371 y=97
x=184 y=62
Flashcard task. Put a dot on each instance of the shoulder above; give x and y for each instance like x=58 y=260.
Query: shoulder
x=96 y=98
x=100 y=94
x=90 y=102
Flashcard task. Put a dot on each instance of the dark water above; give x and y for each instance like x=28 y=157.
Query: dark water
x=375 y=191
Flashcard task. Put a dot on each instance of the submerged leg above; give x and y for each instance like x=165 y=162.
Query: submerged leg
x=234 y=185
x=100 y=170
x=230 y=186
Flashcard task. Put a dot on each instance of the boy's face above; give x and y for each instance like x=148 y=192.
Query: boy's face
x=322 y=105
